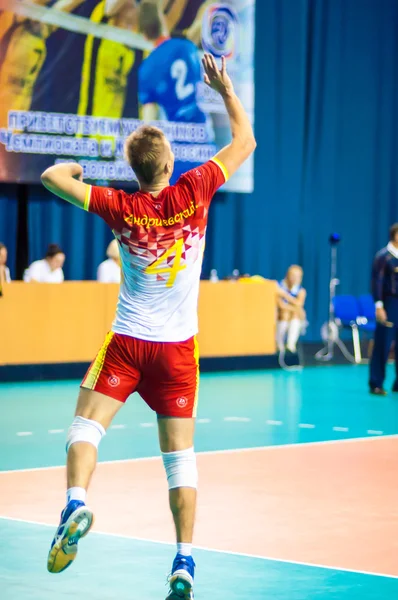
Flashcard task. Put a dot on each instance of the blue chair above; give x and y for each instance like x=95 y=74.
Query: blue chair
x=346 y=315
x=367 y=320
x=346 y=310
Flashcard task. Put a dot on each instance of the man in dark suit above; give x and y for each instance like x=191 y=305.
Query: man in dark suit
x=385 y=294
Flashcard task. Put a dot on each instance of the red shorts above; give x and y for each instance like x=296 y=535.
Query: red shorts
x=165 y=374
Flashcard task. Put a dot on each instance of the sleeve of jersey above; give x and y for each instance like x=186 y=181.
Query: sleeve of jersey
x=106 y=203
x=204 y=181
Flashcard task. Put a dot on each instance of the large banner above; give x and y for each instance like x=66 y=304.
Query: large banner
x=77 y=76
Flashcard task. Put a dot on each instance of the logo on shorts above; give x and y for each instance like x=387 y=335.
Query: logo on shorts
x=219 y=30
x=113 y=381
x=182 y=402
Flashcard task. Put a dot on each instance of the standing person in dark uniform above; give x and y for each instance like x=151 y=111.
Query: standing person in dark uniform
x=385 y=294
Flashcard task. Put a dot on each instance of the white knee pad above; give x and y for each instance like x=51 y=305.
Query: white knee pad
x=181 y=469
x=84 y=430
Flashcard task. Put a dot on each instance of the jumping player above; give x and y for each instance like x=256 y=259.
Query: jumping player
x=152 y=347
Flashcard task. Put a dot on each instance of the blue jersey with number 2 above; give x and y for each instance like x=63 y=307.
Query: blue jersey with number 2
x=169 y=78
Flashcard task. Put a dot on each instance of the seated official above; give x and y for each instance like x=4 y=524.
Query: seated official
x=291 y=313
x=4 y=270
x=49 y=269
x=109 y=270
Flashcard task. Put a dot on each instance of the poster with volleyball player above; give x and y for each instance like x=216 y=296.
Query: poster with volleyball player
x=77 y=76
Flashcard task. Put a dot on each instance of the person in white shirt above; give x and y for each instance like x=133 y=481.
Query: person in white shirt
x=49 y=269
x=291 y=313
x=109 y=270
x=4 y=270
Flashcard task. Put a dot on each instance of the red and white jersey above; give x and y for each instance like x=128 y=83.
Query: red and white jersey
x=161 y=242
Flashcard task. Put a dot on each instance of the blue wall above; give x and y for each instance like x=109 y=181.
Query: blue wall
x=327 y=132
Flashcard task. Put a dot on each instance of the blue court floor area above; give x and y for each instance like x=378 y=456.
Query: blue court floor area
x=110 y=568
x=236 y=411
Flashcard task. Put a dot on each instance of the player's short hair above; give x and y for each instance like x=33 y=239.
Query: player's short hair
x=2 y=246
x=150 y=20
x=393 y=231
x=143 y=149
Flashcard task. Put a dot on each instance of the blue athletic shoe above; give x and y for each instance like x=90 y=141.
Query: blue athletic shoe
x=76 y=522
x=181 y=578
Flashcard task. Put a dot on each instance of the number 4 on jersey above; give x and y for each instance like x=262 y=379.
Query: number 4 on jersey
x=173 y=268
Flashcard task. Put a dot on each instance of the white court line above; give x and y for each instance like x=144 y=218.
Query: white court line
x=56 y=430
x=306 y=426
x=24 y=433
x=215 y=452
x=200 y=421
x=237 y=419
x=374 y=432
x=118 y=427
x=341 y=429
x=147 y=424
x=215 y=550
x=270 y=422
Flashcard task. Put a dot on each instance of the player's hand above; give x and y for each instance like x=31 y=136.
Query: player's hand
x=217 y=79
x=381 y=315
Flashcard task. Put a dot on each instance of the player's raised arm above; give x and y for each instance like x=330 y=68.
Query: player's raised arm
x=66 y=181
x=243 y=141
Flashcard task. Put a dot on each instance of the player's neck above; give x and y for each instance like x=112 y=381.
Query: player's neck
x=154 y=188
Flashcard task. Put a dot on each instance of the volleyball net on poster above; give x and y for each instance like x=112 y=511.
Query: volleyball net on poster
x=77 y=77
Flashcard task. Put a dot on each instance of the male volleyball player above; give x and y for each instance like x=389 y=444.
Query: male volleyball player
x=169 y=76
x=152 y=346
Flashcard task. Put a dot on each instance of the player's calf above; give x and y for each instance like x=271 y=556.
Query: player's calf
x=182 y=476
x=83 y=440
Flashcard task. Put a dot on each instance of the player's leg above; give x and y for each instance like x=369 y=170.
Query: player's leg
x=176 y=444
x=381 y=350
x=395 y=384
x=94 y=413
x=282 y=327
x=170 y=387
x=294 y=328
x=392 y=312
x=107 y=384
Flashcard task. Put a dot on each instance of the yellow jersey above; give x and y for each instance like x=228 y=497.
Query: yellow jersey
x=106 y=67
x=24 y=57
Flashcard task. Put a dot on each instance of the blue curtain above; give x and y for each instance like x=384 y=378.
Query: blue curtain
x=83 y=237
x=8 y=223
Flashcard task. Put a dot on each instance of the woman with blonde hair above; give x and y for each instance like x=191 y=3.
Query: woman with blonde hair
x=291 y=313
x=109 y=270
